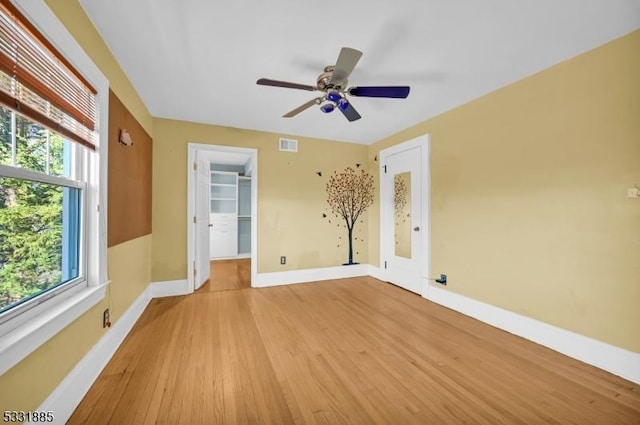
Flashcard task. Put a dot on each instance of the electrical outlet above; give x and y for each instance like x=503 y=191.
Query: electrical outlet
x=106 y=322
x=283 y=260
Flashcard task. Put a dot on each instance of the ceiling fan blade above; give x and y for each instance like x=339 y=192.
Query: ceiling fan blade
x=347 y=61
x=398 y=92
x=285 y=84
x=350 y=113
x=301 y=108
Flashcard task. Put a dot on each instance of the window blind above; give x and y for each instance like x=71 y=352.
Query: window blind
x=39 y=83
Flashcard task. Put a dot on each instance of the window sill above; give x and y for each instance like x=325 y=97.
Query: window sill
x=26 y=338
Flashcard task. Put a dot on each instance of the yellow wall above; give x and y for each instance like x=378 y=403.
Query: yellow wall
x=291 y=198
x=25 y=386
x=529 y=209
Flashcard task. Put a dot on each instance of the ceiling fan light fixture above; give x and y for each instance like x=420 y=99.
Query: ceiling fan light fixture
x=327 y=107
x=343 y=104
x=334 y=96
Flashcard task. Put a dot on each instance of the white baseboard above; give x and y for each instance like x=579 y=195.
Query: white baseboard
x=616 y=360
x=377 y=272
x=169 y=288
x=70 y=392
x=233 y=257
x=310 y=275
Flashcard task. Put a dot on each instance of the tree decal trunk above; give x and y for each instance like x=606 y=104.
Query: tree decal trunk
x=350 y=247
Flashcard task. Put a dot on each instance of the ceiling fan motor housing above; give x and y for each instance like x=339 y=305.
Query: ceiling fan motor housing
x=324 y=80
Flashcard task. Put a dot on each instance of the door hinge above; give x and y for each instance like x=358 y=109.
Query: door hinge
x=195 y=166
x=385 y=169
x=385 y=264
x=194 y=269
x=194 y=219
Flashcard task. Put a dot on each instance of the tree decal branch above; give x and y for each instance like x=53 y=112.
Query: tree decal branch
x=399 y=194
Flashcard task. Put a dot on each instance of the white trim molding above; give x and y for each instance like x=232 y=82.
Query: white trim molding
x=170 y=288
x=53 y=315
x=310 y=275
x=70 y=392
x=242 y=256
x=616 y=360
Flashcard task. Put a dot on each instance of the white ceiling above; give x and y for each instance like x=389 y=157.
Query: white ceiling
x=198 y=60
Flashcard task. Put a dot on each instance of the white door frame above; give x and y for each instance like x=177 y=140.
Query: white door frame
x=191 y=193
x=386 y=243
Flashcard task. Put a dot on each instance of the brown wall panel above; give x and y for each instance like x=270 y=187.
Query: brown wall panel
x=129 y=177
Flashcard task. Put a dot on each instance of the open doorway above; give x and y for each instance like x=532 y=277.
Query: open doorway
x=222 y=217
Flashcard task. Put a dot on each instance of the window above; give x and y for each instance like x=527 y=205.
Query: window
x=40 y=212
x=52 y=180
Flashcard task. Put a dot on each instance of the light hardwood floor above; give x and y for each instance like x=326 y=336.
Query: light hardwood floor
x=228 y=274
x=349 y=351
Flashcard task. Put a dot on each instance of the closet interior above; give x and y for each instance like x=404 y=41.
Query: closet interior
x=230 y=216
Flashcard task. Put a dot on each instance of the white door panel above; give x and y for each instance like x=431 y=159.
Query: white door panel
x=201 y=223
x=404 y=209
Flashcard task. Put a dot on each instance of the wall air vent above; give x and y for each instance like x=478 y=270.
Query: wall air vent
x=288 y=145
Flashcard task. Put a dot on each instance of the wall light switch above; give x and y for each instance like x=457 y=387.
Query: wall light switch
x=633 y=192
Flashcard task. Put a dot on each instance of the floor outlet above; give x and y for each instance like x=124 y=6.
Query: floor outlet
x=442 y=280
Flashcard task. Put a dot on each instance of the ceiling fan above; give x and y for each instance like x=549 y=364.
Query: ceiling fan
x=333 y=85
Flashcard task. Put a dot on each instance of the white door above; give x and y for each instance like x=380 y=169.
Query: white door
x=201 y=222
x=404 y=207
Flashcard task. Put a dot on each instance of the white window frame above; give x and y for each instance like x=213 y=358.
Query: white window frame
x=23 y=312
x=24 y=333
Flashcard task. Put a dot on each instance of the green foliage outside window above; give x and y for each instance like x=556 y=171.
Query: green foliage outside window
x=30 y=212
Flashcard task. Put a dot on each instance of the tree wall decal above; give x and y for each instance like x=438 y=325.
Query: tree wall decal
x=349 y=194
x=402 y=208
x=399 y=194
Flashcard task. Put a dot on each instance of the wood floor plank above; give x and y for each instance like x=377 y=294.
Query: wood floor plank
x=348 y=351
